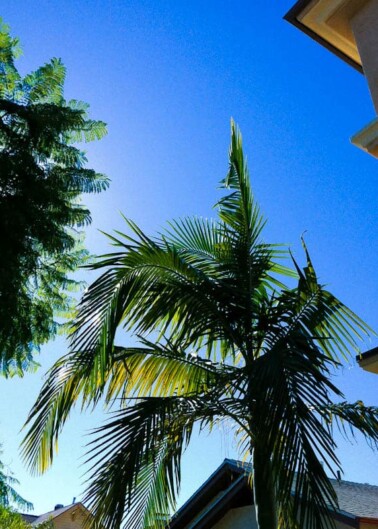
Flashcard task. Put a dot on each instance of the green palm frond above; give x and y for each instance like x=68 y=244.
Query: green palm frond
x=58 y=396
x=351 y=418
x=237 y=209
x=152 y=369
x=136 y=461
x=163 y=370
x=336 y=326
x=286 y=383
x=296 y=353
x=161 y=284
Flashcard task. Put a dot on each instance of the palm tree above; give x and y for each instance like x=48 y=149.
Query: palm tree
x=220 y=337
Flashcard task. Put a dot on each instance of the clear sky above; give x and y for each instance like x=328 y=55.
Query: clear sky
x=167 y=75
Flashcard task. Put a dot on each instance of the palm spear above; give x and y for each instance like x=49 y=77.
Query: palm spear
x=223 y=332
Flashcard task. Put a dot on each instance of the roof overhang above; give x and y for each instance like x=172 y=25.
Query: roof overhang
x=369 y=360
x=228 y=487
x=328 y=22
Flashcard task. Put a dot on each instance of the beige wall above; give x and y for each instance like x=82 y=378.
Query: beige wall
x=242 y=518
x=365 y=525
x=245 y=518
x=365 y=29
x=72 y=519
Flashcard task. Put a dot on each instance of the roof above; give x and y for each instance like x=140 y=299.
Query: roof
x=369 y=360
x=38 y=519
x=229 y=487
x=226 y=488
x=29 y=518
x=336 y=37
x=358 y=499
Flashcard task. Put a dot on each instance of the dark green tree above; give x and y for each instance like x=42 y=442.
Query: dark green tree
x=42 y=176
x=226 y=333
x=10 y=519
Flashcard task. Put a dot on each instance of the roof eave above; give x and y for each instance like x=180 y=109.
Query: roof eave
x=227 y=465
x=292 y=16
x=369 y=360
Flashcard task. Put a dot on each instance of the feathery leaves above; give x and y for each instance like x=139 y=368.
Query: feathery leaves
x=42 y=177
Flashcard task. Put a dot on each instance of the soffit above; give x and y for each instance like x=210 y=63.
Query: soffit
x=329 y=22
x=370 y=364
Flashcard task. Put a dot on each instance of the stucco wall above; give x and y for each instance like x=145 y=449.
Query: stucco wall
x=245 y=518
x=365 y=525
x=72 y=519
x=364 y=26
x=241 y=518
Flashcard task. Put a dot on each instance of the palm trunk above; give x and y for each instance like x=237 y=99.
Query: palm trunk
x=263 y=489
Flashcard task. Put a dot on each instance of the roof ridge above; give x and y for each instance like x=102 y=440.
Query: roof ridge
x=246 y=465
x=354 y=483
x=55 y=512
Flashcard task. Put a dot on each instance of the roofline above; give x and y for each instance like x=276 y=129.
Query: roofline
x=348 y=518
x=28 y=514
x=226 y=464
x=217 y=505
x=292 y=17
x=363 y=519
x=239 y=466
x=64 y=510
x=69 y=507
x=369 y=354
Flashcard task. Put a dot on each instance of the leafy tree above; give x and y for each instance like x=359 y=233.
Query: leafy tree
x=10 y=519
x=226 y=333
x=42 y=175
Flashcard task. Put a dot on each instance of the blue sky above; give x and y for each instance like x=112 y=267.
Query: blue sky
x=167 y=76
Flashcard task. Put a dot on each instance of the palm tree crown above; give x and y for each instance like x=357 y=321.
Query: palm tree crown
x=222 y=336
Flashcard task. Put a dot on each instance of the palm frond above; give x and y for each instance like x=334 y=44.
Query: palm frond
x=135 y=473
x=238 y=209
x=318 y=314
x=162 y=370
x=72 y=377
x=288 y=383
x=351 y=418
x=88 y=375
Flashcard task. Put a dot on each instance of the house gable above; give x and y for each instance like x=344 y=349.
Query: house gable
x=70 y=517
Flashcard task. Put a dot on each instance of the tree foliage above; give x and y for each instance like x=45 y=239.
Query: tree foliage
x=225 y=332
x=10 y=500
x=8 y=495
x=11 y=519
x=42 y=176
